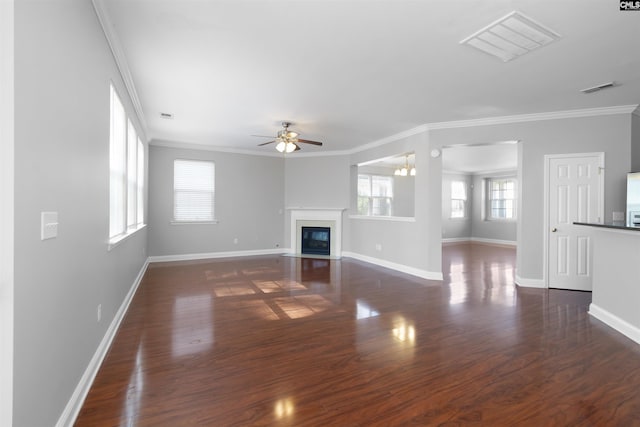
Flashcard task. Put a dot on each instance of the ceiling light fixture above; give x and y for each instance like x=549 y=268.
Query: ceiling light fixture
x=511 y=37
x=285 y=146
x=405 y=170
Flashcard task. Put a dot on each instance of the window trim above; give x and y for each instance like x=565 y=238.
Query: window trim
x=487 y=199
x=213 y=219
x=123 y=173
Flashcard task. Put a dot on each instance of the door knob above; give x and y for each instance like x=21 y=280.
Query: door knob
x=553 y=230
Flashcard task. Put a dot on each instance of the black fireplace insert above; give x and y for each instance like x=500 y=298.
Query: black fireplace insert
x=316 y=240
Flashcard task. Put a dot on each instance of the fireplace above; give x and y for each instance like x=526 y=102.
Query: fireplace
x=327 y=218
x=316 y=240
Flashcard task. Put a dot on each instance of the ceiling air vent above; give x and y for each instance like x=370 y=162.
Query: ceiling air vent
x=597 y=88
x=511 y=37
x=166 y=115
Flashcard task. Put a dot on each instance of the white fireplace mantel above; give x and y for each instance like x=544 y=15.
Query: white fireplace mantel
x=333 y=215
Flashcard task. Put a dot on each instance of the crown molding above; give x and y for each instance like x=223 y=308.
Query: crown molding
x=590 y=112
x=202 y=147
x=389 y=139
x=522 y=118
x=121 y=61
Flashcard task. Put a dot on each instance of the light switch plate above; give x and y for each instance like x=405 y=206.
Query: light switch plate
x=618 y=216
x=48 y=225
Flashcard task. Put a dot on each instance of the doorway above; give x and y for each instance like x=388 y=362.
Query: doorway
x=480 y=193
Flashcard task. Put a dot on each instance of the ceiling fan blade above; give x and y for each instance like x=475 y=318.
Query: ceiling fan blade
x=306 y=141
x=297 y=147
x=262 y=136
x=265 y=143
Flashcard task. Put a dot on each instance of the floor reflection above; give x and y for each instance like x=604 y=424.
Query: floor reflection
x=135 y=389
x=192 y=330
x=363 y=311
x=463 y=264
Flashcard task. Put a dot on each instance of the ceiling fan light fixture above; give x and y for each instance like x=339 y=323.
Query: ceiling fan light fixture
x=290 y=147
x=287 y=141
x=412 y=172
x=281 y=146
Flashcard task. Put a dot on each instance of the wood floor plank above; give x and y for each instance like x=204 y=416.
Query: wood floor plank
x=281 y=341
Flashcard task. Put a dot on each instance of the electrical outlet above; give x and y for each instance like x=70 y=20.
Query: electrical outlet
x=99 y=312
x=378 y=247
x=235 y=241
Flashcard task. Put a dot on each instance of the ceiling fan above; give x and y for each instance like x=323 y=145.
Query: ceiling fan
x=287 y=140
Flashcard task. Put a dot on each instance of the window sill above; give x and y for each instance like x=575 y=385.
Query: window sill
x=385 y=218
x=115 y=241
x=215 y=221
x=501 y=220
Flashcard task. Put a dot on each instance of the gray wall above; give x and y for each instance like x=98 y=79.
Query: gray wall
x=480 y=227
x=249 y=204
x=404 y=243
x=456 y=228
x=63 y=67
x=316 y=182
x=610 y=134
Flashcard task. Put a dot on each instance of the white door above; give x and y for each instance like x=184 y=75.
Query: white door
x=575 y=194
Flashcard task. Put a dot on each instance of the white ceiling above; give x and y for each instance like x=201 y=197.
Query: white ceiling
x=351 y=72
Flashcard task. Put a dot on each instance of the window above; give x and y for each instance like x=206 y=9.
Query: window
x=502 y=198
x=193 y=191
x=458 y=199
x=126 y=180
x=375 y=195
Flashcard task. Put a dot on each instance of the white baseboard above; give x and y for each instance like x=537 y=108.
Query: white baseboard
x=207 y=255
x=495 y=242
x=456 y=240
x=615 y=322
x=74 y=405
x=530 y=283
x=430 y=275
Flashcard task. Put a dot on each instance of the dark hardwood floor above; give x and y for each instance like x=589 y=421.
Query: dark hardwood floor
x=281 y=341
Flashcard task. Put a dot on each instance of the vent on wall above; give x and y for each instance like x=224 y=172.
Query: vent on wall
x=511 y=37
x=599 y=87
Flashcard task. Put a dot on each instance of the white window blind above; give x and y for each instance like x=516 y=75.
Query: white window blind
x=193 y=191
